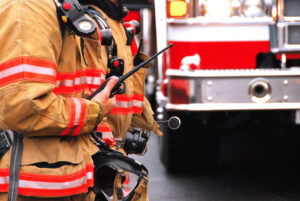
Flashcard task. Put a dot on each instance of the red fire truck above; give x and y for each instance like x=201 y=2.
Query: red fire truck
x=234 y=63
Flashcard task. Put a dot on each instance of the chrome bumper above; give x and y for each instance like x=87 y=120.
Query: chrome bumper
x=233 y=90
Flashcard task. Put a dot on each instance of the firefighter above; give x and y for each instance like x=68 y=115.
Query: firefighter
x=47 y=71
x=45 y=120
x=132 y=111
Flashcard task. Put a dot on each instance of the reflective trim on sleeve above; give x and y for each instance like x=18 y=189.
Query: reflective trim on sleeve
x=50 y=185
x=107 y=135
x=77 y=113
x=27 y=69
x=79 y=81
x=82 y=108
x=126 y=105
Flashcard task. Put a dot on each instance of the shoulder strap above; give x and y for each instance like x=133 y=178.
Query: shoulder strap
x=97 y=16
x=62 y=30
x=15 y=163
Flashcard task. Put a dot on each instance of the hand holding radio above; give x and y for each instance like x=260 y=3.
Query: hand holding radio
x=117 y=89
x=104 y=97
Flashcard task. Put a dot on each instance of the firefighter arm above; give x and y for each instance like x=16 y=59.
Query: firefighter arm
x=143 y=119
x=31 y=44
x=146 y=120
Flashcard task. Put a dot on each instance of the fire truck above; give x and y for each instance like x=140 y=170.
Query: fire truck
x=234 y=64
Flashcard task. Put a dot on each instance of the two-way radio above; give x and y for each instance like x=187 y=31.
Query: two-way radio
x=117 y=89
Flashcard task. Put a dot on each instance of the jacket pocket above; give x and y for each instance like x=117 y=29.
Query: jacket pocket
x=52 y=167
x=51 y=151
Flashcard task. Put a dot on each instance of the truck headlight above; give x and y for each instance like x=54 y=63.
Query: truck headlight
x=177 y=8
x=253 y=8
x=219 y=8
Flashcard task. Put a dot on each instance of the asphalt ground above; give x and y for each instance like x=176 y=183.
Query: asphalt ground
x=252 y=167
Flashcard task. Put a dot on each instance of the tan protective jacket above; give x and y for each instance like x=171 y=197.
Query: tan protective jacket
x=42 y=81
x=132 y=109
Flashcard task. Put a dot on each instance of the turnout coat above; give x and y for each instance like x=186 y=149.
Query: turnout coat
x=43 y=81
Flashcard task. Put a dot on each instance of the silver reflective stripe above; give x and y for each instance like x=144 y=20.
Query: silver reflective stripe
x=53 y=185
x=79 y=81
x=138 y=103
x=128 y=104
x=67 y=83
x=77 y=111
x=27 y=68
x=4 y=180
x=94 y=80
x=107 y=135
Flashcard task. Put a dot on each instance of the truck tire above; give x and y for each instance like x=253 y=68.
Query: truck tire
x=192 y=147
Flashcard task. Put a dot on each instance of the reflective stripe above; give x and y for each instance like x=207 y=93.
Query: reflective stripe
x=132 y=103
x=78 y=82
x=4 y=180
x=105 y=130
x=53 y=185
x=126 y=105
x=82 y=109
x=107 y=135
x=77 y=113
x=78 y=110
x=71 y=108
x=27 y=69
x=67 y=83
x=50 y=185
x=95 y=80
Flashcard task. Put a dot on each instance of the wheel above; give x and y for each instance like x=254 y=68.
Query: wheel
x=192 y=147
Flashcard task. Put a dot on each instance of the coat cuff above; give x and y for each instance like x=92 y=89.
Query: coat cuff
x=100 y=113
x=95 y=115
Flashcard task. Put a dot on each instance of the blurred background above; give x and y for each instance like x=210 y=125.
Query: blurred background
x=233 y=78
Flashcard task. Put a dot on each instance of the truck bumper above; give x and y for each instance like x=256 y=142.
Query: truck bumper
x=233 y=90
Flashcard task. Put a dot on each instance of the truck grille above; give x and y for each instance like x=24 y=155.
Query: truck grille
x=294 y=35
x=291 y=8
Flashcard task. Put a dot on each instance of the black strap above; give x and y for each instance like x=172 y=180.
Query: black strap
x=109 y=8
x=5 y=142
x=15 y=162
x=103 y=24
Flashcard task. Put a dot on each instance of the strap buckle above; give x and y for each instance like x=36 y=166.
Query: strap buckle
x=6 y=138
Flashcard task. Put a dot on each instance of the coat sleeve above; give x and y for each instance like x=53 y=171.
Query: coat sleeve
x=31 y=42
x=144 y=119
